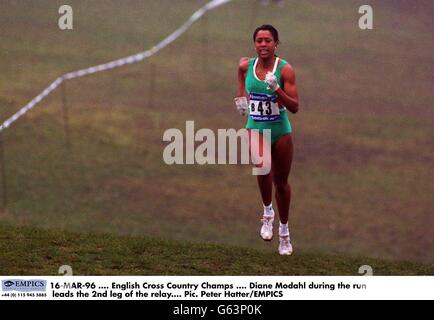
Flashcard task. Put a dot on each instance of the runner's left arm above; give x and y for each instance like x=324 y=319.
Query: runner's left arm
x=288 y=94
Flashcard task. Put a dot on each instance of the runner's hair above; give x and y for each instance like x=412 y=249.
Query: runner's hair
x=267 y=27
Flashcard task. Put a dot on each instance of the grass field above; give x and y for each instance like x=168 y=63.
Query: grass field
x=362 y=176
x=29 y=251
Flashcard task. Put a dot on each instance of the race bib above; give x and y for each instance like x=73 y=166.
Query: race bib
x=264 y=107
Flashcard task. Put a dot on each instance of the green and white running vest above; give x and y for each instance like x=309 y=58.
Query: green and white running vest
x=264 y=111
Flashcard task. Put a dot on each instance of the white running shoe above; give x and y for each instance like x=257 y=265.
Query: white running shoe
x=285 y=246
x=267 y=227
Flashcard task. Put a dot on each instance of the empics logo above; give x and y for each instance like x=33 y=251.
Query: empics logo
x=24 y=285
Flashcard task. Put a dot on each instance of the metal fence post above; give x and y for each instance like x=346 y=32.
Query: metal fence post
x=65 y=117
x=3 y=173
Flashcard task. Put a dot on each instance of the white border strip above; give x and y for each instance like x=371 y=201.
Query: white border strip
x=116 y=63
x=229 y=288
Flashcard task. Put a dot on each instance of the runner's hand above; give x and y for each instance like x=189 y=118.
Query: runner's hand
x=242 y=105
x=271 y=81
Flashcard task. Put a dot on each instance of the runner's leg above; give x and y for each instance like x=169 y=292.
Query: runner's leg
x=265 y=182
x=282 y=153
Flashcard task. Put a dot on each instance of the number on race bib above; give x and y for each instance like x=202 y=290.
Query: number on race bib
x=268 y=104
x=260 y=109
x=264 y=107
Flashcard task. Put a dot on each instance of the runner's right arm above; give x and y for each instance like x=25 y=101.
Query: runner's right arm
x=241 y=100
x=242 y=70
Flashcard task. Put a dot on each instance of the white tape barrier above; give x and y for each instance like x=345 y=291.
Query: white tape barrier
x=116 y=63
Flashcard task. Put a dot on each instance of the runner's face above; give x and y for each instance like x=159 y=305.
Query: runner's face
x=265 y=44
